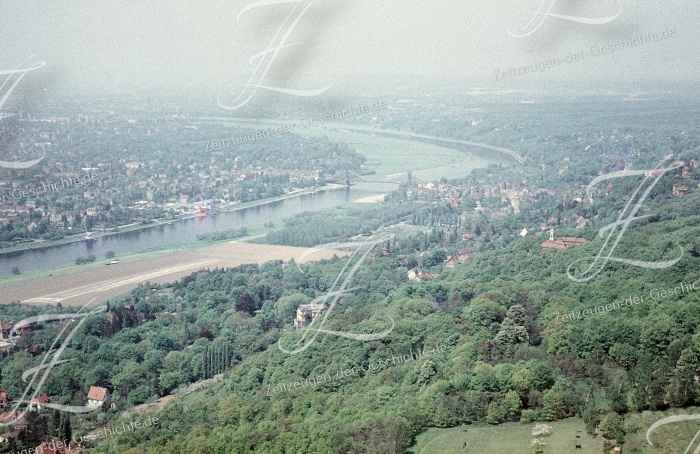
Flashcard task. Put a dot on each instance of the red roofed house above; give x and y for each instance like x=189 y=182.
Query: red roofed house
x=416 y=274
x=22 y=328
x=5 y=330
x=679 y=191
x=97 y=396
x=38 y=402
x=4 y=398
x=570 y=240
x=11 y=417
x=556 y=244
x=563 y=242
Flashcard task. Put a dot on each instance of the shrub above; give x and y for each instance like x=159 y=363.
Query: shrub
x=612 y=427
x=541 y=429
x=528 y=416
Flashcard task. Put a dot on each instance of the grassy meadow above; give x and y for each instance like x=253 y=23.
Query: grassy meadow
x=511 y=438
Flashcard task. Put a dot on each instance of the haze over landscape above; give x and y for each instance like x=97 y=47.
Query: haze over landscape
x=116 y=46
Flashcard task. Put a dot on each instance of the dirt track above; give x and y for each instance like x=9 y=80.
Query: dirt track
x=114 y=280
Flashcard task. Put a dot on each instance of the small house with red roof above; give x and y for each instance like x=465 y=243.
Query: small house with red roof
x=22 y=328
x=563 y=242
x=39 y=402
x=679 y=190
x=5 y=329
x=11 y=417
x=97 y=396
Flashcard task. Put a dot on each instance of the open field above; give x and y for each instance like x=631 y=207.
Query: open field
x=104 y=282
x=511 y=438
x=390 y=155
x=409 y=135
x=148 y=408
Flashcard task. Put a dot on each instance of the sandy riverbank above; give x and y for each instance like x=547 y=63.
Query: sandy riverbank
x=372 y=199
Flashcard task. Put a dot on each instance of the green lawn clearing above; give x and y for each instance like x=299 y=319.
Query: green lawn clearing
x=511 y=438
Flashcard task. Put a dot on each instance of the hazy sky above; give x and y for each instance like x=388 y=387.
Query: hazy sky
x=119 y=45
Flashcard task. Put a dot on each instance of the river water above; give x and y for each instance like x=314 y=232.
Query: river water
x=187 y=230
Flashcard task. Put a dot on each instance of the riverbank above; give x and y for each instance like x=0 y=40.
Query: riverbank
x=241 y=206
